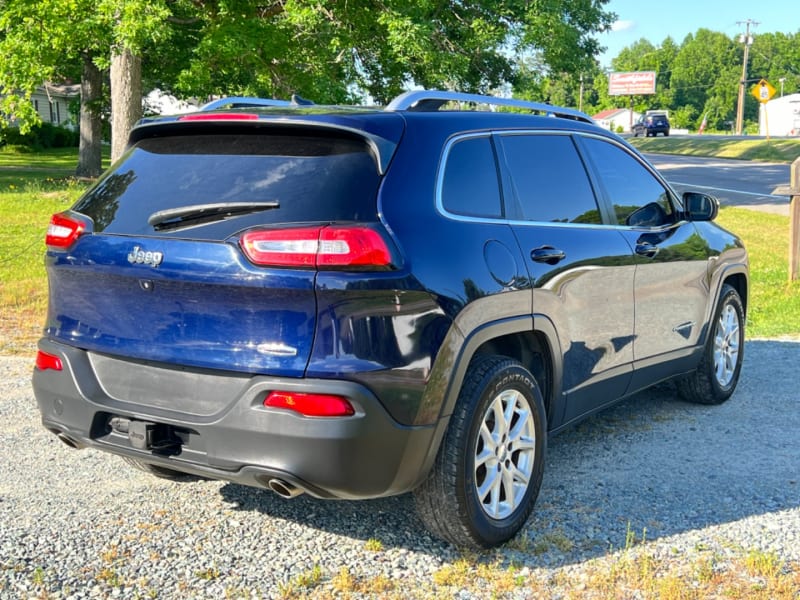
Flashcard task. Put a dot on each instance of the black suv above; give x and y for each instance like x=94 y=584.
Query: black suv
x=360 y=302
x=651 y=125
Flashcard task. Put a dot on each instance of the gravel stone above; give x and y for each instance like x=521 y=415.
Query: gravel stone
x=685 y=478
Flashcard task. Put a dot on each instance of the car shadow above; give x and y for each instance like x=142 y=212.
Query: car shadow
x=653 y=466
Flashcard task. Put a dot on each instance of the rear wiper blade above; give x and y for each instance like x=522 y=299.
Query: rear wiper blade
x=194 y=214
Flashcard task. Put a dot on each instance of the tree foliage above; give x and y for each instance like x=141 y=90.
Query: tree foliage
x=696 y=78
x=336 y=51
x=328 y=50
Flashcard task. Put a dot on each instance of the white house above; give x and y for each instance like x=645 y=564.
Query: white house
x=52 y=102
x=614 y=118
x=782 y=115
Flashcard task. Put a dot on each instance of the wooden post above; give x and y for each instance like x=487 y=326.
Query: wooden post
x=794 y=223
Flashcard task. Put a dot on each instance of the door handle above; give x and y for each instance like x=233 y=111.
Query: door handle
x=646 y=249
x=547 y=254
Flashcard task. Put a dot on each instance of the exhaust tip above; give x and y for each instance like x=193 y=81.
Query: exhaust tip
x=69 y=441
x=284 y=489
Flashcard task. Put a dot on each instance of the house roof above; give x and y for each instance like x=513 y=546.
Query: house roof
x=63 y=90
x=609 y=113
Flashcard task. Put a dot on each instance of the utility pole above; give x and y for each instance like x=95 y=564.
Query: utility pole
x=580 y=99
x=746 y=39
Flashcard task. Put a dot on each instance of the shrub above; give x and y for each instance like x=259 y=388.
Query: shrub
x=40 y=137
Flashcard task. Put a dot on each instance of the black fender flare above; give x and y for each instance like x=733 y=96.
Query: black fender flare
x=449 y=370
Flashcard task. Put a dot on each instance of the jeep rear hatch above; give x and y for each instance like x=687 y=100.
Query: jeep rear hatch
x=179 y=253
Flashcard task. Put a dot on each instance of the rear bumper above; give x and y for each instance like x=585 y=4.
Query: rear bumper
x=236 y=438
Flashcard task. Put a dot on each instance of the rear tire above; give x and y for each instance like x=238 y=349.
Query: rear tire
x=157 y=471
x=716 y=376
x=489 y=469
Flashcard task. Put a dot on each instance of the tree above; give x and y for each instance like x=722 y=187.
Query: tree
x=705 y=75
x=52 y=40
x=336 y=51
x=776 y=56
x=327 y=50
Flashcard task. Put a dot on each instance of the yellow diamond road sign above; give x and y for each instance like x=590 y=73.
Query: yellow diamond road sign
x=763 y=91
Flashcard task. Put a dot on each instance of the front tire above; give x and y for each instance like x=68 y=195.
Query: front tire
x=489 y=469
x=716 y=376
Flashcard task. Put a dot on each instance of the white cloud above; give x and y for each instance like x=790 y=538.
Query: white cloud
x=622 y=25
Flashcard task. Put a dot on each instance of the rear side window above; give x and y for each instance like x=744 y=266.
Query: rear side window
x=308 y=177
x=470 y=186
x=550 y=179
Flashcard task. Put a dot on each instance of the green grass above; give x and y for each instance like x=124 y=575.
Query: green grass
x=52 y=159
x=774 y=150
x=774 y=306
x=33 y=195
x=32 y=187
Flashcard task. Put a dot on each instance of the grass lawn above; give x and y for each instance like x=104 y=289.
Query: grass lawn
x=774 y=307
x=773 y=150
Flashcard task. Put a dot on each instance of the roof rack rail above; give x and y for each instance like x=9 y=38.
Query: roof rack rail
x=433 y=100
x=240 y=101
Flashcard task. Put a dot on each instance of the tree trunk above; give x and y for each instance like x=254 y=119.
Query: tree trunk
x=126 y=98
x=90 y=147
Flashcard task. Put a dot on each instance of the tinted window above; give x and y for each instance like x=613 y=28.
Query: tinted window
x=549 y=179
x=311 y=178
x=470 y=185
x=638 y=198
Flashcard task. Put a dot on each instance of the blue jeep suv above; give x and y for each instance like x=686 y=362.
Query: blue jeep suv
x=357 y=302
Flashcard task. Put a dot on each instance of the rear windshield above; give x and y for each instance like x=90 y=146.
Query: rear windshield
x=303 y=178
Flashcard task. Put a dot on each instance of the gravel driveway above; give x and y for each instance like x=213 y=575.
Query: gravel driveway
x=82 y=524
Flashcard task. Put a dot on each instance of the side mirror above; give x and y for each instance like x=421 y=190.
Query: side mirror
x=700 y=207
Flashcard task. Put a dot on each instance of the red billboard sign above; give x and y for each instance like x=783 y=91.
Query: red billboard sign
x=632 y=83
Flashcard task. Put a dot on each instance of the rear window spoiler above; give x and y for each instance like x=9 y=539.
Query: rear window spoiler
x=380 y=148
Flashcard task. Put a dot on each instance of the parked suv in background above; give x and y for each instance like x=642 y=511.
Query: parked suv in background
x=651 y=125
x=359 y=302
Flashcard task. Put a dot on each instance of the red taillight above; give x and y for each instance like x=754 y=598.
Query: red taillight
x=46 y=361
x=63 y=230
x=352 y=246
x=327 y=246
x=219 y=117
x=282 y=247
x=311 y=405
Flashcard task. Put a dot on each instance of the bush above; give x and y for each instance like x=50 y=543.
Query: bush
x=40 y=137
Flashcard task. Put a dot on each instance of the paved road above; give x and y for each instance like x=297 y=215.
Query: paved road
x=756 y=185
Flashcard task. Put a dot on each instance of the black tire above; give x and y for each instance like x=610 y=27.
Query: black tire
x=449 y=501
x=158 y=471
x=666 y=134
x=716 y=376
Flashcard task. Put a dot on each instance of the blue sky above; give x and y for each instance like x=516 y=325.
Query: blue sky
x=654 y=21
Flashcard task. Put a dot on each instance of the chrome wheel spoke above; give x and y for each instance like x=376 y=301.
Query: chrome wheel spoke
x=484 y=457
x=519 y=476
x=523 y=443
x=726 y=345
x=489 y=441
